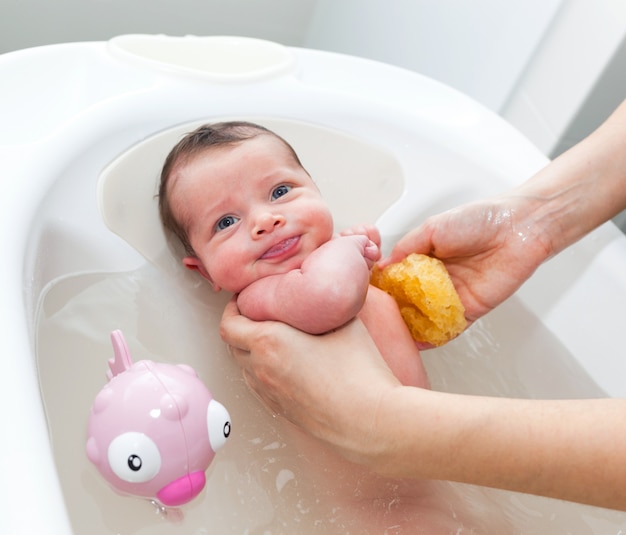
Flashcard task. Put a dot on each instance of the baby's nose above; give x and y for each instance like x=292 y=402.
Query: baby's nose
x=266 y=223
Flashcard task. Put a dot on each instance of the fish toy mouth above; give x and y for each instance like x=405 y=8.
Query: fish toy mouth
x=183 y=490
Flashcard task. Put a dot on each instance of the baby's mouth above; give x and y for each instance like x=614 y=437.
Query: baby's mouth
x=281 y=248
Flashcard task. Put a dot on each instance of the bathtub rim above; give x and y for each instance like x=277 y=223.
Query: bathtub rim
x=23 y=371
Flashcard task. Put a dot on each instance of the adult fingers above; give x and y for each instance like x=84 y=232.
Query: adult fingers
x=418 y=240
x=235 y=329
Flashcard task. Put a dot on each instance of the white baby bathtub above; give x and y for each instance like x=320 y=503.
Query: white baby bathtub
x=386 y=146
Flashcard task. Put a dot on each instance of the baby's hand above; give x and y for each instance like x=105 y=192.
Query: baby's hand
x=371 y=253
x=367 y=230
x=369 y=249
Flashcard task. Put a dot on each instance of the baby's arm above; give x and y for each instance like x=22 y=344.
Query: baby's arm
x=327 y=291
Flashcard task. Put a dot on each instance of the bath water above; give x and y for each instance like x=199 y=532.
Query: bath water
x=270 y=479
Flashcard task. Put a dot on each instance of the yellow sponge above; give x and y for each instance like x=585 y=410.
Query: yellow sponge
x=428 y=301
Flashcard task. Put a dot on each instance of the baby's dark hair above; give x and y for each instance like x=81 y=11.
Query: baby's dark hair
x=206 y=137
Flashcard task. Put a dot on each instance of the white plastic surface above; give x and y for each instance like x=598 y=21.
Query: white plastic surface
x=128 y=187
x=216 y=58
x=449 y=150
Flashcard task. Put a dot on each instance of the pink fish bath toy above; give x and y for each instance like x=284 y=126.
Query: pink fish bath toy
x=154 y=428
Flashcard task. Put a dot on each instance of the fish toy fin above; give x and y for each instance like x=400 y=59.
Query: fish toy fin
x=122 y=360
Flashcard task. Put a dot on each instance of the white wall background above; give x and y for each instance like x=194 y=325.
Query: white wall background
x=553 y=68
x=478 y=46
x=576 y=77
x=26 y=23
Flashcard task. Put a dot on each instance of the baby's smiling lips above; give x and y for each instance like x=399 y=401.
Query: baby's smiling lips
x=281 y=248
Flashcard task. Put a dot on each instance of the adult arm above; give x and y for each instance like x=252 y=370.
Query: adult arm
x=338 y=388
x=492 y=246
x=327 y=291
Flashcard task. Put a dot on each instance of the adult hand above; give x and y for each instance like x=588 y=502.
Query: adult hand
x=330 y=385
x=489 y=248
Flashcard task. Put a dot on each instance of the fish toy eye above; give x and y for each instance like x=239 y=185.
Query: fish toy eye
x=134 y=457
x=218 y=421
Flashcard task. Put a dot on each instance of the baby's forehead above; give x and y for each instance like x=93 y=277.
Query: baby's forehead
x=271 y=149
x=265 y=144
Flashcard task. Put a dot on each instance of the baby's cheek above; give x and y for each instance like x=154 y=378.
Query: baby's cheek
x=227 y=275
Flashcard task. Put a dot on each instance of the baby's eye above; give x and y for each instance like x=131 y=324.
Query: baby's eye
x=225 y=222
x=279 y=191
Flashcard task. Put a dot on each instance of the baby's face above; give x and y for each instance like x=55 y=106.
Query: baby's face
x=251 y=211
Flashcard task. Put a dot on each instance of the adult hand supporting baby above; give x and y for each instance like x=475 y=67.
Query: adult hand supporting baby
x=338 y=388
x=330 y=384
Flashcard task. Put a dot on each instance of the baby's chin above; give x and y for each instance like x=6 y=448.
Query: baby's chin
x=271 y=268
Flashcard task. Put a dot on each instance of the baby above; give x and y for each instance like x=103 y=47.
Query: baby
x=254 y=223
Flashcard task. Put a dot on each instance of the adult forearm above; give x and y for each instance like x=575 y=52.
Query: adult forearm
x=564 y=449
x=338 y=388
x=581 y=189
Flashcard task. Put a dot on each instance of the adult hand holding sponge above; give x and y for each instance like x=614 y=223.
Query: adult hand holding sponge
x=428 y=301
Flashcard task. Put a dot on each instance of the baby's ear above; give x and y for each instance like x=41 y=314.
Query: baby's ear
x=195 y=264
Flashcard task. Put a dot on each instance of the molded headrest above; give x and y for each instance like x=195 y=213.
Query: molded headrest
x=358 y=180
